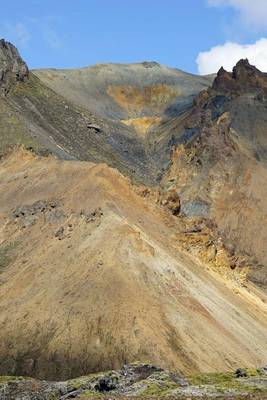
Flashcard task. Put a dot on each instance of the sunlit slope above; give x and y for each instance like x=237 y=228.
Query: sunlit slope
x=93 y=276
x=121 y=91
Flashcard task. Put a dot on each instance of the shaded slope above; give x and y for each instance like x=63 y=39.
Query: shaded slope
x=141 y=97
x=34 y=115
x=71 y=132
x=102 y=113
x=121 y=91
x=95 y=277
x=220 y=170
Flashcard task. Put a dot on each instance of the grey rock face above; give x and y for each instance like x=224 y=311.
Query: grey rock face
x=12 y=67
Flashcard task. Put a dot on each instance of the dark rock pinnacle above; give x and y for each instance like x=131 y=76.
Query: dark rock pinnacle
x=12 y=67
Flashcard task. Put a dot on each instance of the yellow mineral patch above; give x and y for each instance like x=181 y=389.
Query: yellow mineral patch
x=142 y=125
x=134 y=99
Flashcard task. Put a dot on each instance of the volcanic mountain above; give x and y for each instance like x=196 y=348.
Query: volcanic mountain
x=132 y=210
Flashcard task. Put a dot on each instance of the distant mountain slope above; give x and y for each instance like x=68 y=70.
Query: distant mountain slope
x=123 y=91
x=100 y=114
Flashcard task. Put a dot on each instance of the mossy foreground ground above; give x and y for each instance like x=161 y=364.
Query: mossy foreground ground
x=140 y=381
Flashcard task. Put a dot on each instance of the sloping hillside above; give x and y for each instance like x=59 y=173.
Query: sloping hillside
x=96 y=272
x=100 y=114
x=93 y=276
x=220 y=171
x=124 y=91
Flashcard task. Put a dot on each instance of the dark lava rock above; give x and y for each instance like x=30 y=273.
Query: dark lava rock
x=245 y=77
x=171 y=201
x=240 y=373
x=12 y=67
x=38 y=207
x=106 y=384
x=94 y=215
x=60 y=233
x=140 y=371
x=150 y=64
x=94 y=127
x=27 y=215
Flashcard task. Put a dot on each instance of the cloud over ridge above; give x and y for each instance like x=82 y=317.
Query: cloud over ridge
x=229 y=53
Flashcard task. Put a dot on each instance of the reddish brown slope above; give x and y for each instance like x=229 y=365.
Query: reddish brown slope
x=94 y=277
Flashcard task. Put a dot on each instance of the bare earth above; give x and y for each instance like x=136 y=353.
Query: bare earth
x=98 y=278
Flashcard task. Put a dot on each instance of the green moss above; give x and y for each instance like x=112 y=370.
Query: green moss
x=211 y=378
x=8 y=378
x=158 y=389
x=241 y=388
x=253 y=372
x=152 y=389
x=13 y=131
x=82 y=381
x=227 y=381
x=7 y=255
x=31 y=86
x=87 y=394
x=220 y=377
x=52 y=396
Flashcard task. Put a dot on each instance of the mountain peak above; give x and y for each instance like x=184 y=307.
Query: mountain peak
x=12 y=67
x=244 y=70
x=244 y=77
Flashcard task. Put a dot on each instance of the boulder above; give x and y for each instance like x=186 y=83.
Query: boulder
x=241 y=373
x=171 y=201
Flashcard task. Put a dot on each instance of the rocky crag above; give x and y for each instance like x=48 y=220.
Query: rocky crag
x=12 y=67
x=220 y=172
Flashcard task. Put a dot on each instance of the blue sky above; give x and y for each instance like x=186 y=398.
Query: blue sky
x=73 y=33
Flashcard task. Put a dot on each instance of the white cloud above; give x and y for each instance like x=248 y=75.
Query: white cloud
x=228 y=54
x=251 y=12
x=17 y=33
x=51 y=38
x=22 y=33
x=47 y=29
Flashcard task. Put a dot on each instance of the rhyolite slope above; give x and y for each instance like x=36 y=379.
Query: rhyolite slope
x=95 y=271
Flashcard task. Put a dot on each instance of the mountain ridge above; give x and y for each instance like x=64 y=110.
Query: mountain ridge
x=132 y=226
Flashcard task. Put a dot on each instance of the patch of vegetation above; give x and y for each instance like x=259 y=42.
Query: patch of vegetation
x=88 y=380
x=10 y=378
x=7 y=255
x=227 y=381
x=156 y=388
x=87 y=394
x=13 y=130
x=220 y=377
x=253 y=372
x=211 y=378
x=52 y=396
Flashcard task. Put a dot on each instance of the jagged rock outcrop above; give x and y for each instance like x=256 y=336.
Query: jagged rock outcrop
x=243 y=78
x=12 y=67
x=220 y=172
